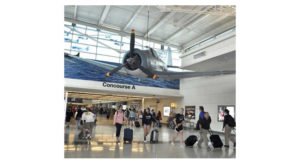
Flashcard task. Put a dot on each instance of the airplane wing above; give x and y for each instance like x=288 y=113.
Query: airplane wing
x=180 y=75
x=106 y=66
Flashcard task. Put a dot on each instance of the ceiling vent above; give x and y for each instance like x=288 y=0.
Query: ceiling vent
x=199 y=55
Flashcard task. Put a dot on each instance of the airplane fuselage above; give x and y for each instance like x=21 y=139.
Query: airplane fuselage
x=146 y=58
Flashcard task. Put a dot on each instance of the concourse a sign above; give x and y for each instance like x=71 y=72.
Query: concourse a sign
x=121 y=86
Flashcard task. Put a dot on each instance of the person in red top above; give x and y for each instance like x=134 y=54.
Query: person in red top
x=119 y=117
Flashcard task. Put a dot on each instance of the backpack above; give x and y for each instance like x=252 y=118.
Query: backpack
x=231 y=121
x=79 y=114
x=198 y=125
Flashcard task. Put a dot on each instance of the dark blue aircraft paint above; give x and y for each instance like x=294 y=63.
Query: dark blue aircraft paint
x=77 y=69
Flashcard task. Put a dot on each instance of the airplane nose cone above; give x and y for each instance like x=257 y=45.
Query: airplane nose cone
x=130 y=61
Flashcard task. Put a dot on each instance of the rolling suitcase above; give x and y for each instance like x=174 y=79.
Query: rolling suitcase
x=191 y=140
x=128 y=135
x=154 y=136
x=172 y=125
x=158 y=124
x=137 y=124
x=216 y=140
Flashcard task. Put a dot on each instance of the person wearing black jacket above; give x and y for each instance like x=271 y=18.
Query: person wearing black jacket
x=204 y=127
x=228 y=125
x=146 y=122
x=78 y=115
x=178 y=121
x=69 y=115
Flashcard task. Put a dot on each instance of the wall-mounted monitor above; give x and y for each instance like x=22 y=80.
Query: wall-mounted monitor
x=221 y=109
x=167 y=111
x=190 y=112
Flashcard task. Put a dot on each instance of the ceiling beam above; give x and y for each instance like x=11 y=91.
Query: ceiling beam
x=75 y=12
x=103 y=15
x=117 y=50
x=182 y=27
x=133 y=17
x=122 y=33
x=160 y=22
x=194 y=20
x=209 y=34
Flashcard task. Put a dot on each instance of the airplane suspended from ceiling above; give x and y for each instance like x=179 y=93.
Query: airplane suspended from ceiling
x=145 y=63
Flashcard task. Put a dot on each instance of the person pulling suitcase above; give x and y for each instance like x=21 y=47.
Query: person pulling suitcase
x=118 y=122
x=146 y=122
x=204 y=127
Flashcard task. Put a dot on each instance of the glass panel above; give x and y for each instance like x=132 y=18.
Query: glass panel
x=83 y=39
x=80 y=29
x=157 y=46
x=80 y=47
x=106 y=51
x=67 y=45
x=126 y=39
x=87 y=55
x=116 y=38
x=68 y=23
x=92 y=32
x=125 y=47
x=138 y=42
x=87 y=46
x=114 y=45
x=107 y=58
x=176 y=62
x=175 y=55
x=138 y=46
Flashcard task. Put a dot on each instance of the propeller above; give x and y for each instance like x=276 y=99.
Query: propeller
x=115 y=70
x=132 y=42
x=130 y=60
x=133 y=62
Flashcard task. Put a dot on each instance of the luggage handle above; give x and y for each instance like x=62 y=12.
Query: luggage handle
x=127 y=126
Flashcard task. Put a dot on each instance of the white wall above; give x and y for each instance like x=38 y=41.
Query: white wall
x=214 y=49
x=208 y=92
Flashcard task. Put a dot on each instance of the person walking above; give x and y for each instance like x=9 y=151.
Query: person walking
x=88 y=118
x=158 y=118
x=131 y=117
x=107 y=113
x=204 y=130
x=201 y=115
x=146 y=123
x=78 y=115
x=228 y=125
x=179 y=121
x=140 y=116
x=119 y=117
x=154 y=116
x=69 y=115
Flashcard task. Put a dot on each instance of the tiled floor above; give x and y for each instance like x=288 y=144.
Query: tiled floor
x=103 y=145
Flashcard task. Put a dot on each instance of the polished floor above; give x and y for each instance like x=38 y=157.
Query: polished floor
x=103 y=145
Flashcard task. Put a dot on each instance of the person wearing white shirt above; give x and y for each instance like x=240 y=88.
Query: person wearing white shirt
x=88 y=119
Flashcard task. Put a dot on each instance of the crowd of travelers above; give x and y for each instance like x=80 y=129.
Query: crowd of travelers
x=86 y=117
